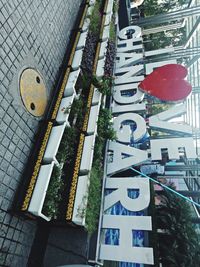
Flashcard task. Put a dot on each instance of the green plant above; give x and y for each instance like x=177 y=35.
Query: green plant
x=98 y=150
x=77 y=111
x=85 y=80
x=178 y=241
x=103 y=84
x=95 y=18
x=94 y=199
x=112 y=36
x=66 y=149
x=76 y=107
x=53 y=195
x=105 y=126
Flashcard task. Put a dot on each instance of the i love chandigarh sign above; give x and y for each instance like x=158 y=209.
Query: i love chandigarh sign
x=124 y=212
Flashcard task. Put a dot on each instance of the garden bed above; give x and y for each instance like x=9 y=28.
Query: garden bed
x=76 y=123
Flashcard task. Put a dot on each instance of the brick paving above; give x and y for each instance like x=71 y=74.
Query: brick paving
x=33 y=33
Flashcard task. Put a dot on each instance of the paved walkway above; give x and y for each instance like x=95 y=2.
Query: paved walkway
x=33 y=33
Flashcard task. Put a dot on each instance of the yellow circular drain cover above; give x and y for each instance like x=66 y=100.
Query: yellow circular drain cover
x=33 y=92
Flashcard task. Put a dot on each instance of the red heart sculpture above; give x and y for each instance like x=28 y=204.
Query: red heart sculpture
x=167 y=83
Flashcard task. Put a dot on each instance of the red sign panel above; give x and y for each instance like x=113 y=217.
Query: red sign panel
x=167 y=83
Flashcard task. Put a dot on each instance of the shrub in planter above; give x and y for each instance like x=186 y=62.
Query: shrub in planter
x=92 y=38
x=77 y=112
x=112 y=31
x=110 y=58
x=98 y=150
x=89 y=53
x=94 y=199
x=105 y=126
x=66 y=151
x=103 y=84
x=53 y=195
x=95 y=19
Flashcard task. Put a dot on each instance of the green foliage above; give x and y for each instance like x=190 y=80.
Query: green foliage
x=158 y=40
x=152 y=235
x=85 y=82
x=105 y=126
x=103 y=84
x=95 y=19
x=77 y=107
x=66 y=149
x=174 y=37
x=179 y=244
x=112 y=36
x=155 y=7
x=158 y=108
x=98 y=150
x=53 y=195
x=77 y=111
x=115 y=6
x=94 y=199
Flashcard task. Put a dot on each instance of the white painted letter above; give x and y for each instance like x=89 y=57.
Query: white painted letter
x=121 y=193
x=160 y=121
x=120 y=161
x=125 y=251
x=173 y=145
x=133 y=30
x=124 y=131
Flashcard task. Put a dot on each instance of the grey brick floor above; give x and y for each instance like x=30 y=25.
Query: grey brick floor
x=33 y=33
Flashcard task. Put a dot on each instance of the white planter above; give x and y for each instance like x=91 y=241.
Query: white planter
x=109 y=7
x=64 y=110
x=93 y=118
x=70 y=86
x=77 y=59
x=82 y=40
x=86 y=24
x=92 y=2
x=103 y=49
x=89 y=11
x=81 y=199
x=96 y=99
x=106 y=33
x=108 y=19
x=87 y=156
x=54 y=143
x=39 y=193
x=100 y=67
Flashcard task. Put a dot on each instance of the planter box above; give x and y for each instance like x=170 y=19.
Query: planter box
x=108 y=19
x=54 y=143
x=77 y=59
x=39 y=193
x=80 y=204
x=93 y=118
x=64 y=110
x=87 y=156
x=103 y=49
x=100 y=68
x=70 y=86
x=82 y=40
x=85 y=25
x=106 y=33
x=89 y=11
x=96 y=99
x=109 y=7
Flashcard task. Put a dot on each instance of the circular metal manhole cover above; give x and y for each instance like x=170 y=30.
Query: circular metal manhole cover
x=33 y=92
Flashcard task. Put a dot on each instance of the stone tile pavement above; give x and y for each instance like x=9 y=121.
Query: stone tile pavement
x=33 y=33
